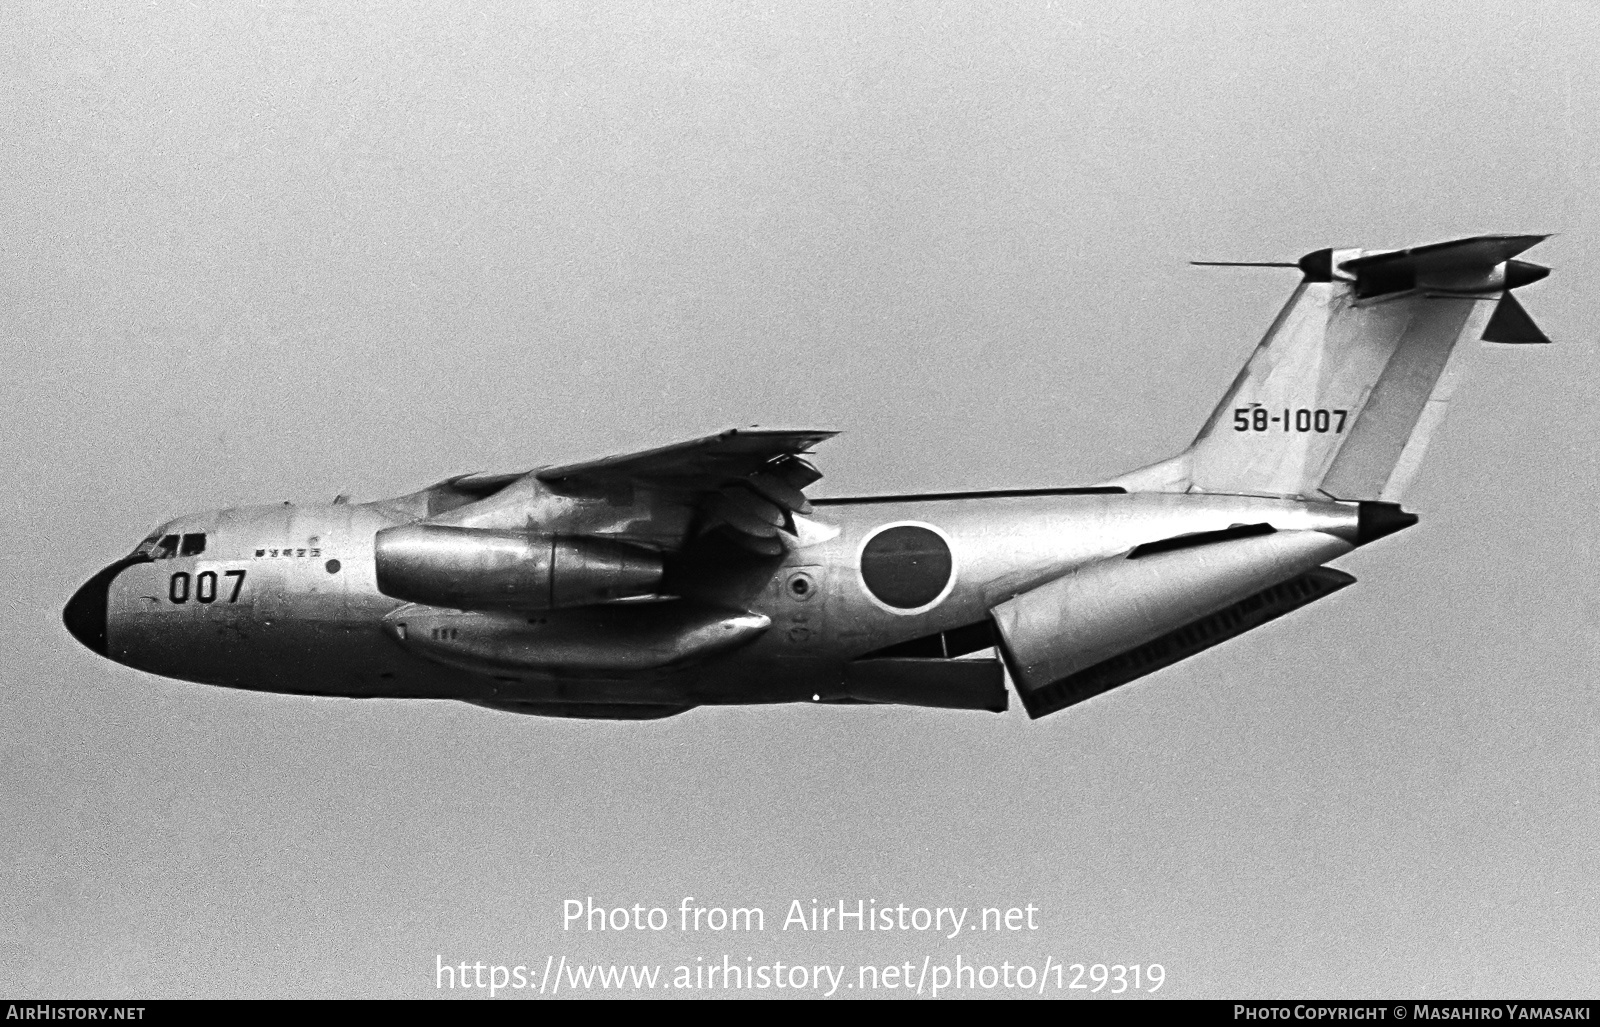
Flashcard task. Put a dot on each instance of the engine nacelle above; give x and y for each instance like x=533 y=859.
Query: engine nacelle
x=617 y=639
x=476 y=568
x=1108 y=608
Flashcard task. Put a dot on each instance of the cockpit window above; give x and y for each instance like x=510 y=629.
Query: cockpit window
x=165 y=547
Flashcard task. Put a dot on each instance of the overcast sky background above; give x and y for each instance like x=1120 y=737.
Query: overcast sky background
x=252 y=252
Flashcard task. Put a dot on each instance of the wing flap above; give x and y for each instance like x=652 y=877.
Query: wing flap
x=745 y=483
x=736 y=453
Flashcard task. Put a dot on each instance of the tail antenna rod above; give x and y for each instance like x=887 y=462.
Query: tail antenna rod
x=1244 y=263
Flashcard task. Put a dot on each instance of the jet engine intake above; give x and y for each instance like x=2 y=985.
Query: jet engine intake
x=476 y=568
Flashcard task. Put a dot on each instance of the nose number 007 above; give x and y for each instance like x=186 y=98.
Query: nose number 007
x=204 y=586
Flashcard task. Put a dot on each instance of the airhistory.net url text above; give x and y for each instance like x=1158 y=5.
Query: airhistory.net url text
x=557 y=976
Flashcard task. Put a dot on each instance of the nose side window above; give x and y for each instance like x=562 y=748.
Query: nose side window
x=166 y=548
x=193 y=545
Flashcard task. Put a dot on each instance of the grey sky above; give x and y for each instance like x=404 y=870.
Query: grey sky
x=252 y=252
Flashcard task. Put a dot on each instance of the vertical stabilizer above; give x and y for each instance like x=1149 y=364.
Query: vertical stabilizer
x=1341 y=397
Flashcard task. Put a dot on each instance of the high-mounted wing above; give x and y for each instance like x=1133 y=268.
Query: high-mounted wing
x=747 y=482
x=706 y=461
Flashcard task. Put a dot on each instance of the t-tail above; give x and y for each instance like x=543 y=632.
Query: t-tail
x=1341 y=397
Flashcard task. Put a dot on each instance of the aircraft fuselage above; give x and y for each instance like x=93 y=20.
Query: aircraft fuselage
x=285 y=598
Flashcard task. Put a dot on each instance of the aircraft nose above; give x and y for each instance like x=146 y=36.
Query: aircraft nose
x=85 y=613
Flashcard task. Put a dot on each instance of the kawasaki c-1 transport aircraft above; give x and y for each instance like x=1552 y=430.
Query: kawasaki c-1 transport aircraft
x=644 y=585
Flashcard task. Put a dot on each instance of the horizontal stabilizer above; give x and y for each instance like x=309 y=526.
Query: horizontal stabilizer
x=1196 y=637
x=1458 y=255
x=1511 y=323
